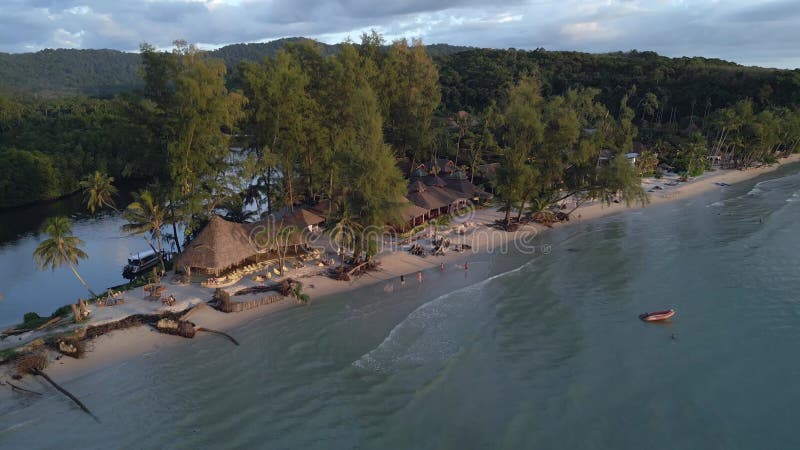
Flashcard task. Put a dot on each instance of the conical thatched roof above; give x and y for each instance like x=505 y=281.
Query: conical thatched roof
x=219 y=246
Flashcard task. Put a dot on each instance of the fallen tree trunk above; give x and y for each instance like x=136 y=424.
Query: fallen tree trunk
x=52 y=321
x=220 y=333
x=21 y=389
x=65 y=392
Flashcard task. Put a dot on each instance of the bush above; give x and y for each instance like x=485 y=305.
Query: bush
x=31 y=316
x=32 y=320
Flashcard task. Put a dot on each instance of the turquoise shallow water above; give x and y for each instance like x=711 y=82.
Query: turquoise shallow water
x=522 y=351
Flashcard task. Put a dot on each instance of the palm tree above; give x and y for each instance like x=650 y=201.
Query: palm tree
x=99 y=190
x=540 y=211
x=60 y=248
x=236 y=209
x=345 y=231
x=146 y=215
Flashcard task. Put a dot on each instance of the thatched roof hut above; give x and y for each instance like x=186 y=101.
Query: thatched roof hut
x=302 y=218
x=324 y=209
x=458 y=182
x=218 y=247
x=419 y=194
x=433 y=180
x=411 y=213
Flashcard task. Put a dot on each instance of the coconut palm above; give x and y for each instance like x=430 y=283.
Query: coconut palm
x=540 y=211
x=236 y=209
x=279 y=237
x=345 y=230
x=60 y=248
x=145 y=215
x=99 y=191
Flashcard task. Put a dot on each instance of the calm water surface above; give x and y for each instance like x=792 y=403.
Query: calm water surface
x=25 y=288
x=523 y=351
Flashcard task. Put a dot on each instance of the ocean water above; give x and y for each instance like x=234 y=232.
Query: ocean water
x=540 y=350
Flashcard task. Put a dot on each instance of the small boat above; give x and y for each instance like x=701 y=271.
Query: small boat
x=657 y=316
x=139 y=263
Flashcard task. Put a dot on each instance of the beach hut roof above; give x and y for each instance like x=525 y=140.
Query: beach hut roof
x=218 y=246
x=324 y=208
x=417 y=186
x=409 y=211
x=302 y=218
x=433 y=180
x=427 y=200
x=457 y=175
x=461 y=186
x=448 y=196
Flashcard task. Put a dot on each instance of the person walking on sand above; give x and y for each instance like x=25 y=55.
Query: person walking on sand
x=419 y=277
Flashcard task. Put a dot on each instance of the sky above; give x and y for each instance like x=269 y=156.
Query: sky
x=750 y=32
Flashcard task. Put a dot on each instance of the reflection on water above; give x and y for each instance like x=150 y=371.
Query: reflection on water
x=25 y=288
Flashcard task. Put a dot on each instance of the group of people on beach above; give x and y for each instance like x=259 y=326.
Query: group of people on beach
x=390 y=287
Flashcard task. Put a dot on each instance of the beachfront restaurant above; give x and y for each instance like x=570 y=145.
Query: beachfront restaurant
x=411 y=214
x=222 y=245
x=436 y=199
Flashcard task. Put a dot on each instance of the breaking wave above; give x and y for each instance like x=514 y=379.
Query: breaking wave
x=433 y=331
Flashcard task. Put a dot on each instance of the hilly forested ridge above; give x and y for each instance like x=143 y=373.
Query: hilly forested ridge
x=66 y=113
x=104 y=73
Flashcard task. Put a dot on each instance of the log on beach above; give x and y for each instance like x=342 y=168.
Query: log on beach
x=65 y=392
x=34 y=364
x=221 y=333
x=21 y=389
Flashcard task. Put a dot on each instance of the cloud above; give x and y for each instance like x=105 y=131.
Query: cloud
x=745 y=31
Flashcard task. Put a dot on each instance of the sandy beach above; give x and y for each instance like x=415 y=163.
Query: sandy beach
x=394 y=262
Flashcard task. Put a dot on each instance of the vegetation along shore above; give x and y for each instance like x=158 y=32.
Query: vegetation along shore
x=281 y=174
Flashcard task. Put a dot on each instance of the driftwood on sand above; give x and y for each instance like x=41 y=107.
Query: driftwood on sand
x=21 y=389
x=347 y=273
x=34 y=364
x=222 y=300
x=221 y=333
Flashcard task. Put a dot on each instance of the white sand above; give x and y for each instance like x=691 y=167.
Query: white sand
x=124 y=344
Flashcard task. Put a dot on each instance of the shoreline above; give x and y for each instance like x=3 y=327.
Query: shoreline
x=129 y=344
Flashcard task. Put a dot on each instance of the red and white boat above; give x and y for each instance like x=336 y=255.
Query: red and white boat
x=657 y=316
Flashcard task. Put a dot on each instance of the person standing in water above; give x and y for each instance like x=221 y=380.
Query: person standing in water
x=402 y=280
x=419 y=277
x=442 y=266
x=466 y=265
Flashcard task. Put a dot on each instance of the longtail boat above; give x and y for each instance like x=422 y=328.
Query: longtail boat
x=657 y=316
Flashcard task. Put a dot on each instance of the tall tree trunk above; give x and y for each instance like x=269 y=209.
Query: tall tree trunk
x=83 y=282
x=508 y=213
x=186 y=161
x=269 y=190
x=175 y=236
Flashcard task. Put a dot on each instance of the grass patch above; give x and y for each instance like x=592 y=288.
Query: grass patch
x=8 y=354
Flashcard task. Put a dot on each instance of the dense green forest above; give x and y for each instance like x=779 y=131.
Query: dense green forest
x=104 y=73
x=68 y=113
